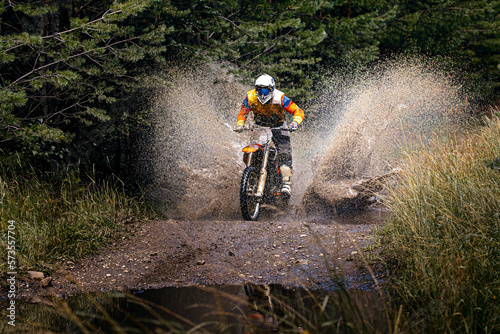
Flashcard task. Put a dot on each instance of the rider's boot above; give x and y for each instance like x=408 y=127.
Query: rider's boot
x=286 y=174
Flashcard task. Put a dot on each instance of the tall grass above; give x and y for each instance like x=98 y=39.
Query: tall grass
x=445 y=233
x=61 y=220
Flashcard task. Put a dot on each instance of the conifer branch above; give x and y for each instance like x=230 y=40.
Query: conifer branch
x=80 y=27
x=228 y=20
x=269 y=48
x=57 y=34
x=70 y=57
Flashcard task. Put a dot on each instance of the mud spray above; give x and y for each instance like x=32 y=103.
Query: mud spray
x=362 y=120
x=373 y=115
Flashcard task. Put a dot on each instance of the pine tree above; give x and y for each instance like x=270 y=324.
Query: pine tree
x=62 y=64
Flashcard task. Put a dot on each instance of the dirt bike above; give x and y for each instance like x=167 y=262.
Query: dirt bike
x=261 y=180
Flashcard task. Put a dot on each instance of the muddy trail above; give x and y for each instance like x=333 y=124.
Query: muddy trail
x=171 y=253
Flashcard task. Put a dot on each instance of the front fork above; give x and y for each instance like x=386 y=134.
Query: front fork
x=263 y=171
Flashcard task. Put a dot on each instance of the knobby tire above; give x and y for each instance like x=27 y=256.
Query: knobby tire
x=249 y=205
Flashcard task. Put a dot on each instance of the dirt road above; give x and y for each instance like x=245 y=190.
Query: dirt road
x=178 y=253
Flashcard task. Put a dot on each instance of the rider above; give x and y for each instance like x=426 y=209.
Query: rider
x=268 y=106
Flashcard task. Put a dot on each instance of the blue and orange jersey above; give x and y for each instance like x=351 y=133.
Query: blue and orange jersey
x=272 y=112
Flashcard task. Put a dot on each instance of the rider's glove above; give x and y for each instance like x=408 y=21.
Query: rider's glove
x=238 y=128
x=293 y=126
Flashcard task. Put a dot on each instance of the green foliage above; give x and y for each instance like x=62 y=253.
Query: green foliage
x=296 y=41
x=467 y=31
x=445 y=233
x=61 y=70
x=292 y=40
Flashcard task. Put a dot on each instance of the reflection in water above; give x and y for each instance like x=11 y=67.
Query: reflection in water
x=212 y=309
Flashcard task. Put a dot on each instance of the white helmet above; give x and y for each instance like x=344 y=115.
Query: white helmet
x=264 y=86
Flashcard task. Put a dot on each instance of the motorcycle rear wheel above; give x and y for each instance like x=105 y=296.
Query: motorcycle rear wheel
x=249 y=203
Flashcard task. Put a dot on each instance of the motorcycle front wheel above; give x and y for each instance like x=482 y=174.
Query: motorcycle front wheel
x=249 y=203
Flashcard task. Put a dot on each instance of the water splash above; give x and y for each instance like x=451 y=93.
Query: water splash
x=360 y=121
x=196 y=162
x=396 y=103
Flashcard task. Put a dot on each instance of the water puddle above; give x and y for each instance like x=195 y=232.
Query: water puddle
x=210 y=309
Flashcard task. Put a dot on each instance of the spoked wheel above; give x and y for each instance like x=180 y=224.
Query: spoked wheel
x=249 y=203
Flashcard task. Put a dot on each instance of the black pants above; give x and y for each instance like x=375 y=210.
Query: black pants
x=281 y=140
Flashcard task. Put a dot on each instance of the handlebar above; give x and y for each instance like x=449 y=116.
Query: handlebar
x=252 y=127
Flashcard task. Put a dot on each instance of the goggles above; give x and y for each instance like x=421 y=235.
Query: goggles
x=264 y=91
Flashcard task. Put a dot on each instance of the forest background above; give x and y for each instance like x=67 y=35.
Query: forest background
x=75 y=76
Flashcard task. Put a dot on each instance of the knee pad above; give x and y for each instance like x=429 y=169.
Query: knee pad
x=286 y=171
